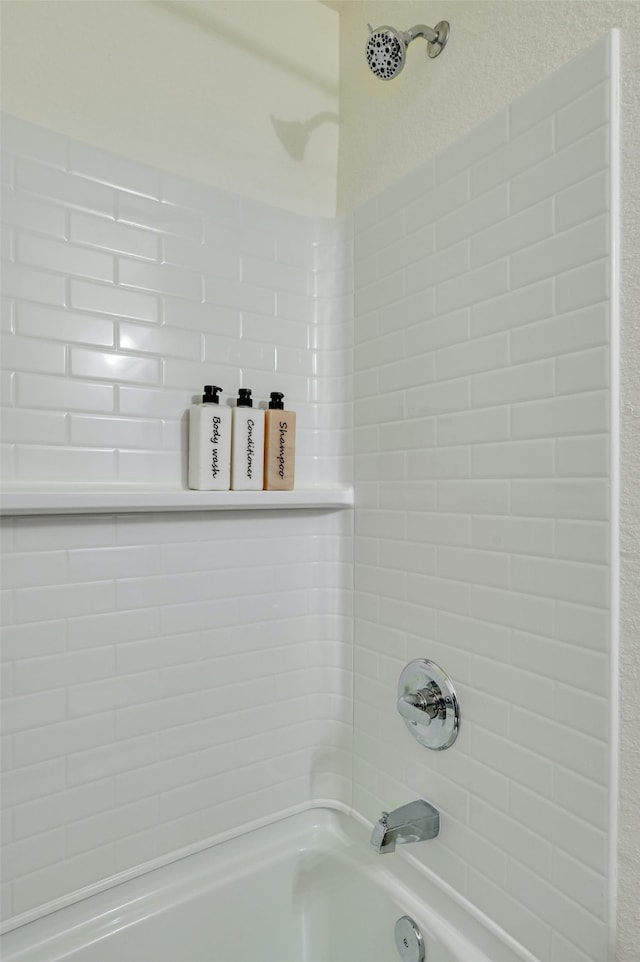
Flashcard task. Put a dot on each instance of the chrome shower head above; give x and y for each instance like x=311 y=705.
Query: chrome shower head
x=386 y=47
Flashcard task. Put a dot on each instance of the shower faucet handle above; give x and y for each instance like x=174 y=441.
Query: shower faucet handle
x=423 y=705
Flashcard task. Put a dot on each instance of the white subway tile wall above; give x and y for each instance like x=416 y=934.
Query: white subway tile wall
x=482 y=421
x=126 y=289
x=168 y=679
x=164 y=680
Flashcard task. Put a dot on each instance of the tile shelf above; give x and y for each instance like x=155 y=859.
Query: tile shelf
x=133 y=498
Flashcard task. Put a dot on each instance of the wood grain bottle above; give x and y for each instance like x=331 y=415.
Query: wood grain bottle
x=279 y=445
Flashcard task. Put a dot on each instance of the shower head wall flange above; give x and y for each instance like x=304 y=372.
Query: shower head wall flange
x=386 y=47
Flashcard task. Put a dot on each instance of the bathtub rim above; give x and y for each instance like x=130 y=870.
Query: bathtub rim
x=332 y=818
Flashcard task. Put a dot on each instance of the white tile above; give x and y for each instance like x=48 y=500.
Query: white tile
x=517 y=155
x=582 y=371
x=220 y=204
x=473 y=497
x=582 y=201
x=583 y=711
x=163 y=279
x=580 y=625
x=569 y=249
x=513 y=460
x=22 y=210
x=516 y=382
x=583 y=457
x=586 y=413
x=27 y=711
x=473 y=426
x=34 y=781
x=479 y=285
x=582 y=286
x=113 y=300
x=37 y=604
x=219 y=260
x=37 y=463
x=480 y=354
x=512 y=234
x=33 y=427
x=443 y=199
x=153 y=215
x=30 y=854
x=513 y=309
x=35 y=356
x=583 y=115
x=476 y=567
x=63 y=738
x=61 y=325
x=115 y=432
x=582 y=541
x=228 y=293
x=150 y=403
x=562 y=498
x=512 y=609
x=149 y=339
x=582 y=669
x=30 y=285
x=474 y=217
x=563 y=334
x=65 y=188
x=499 y=752
x=576 y=162
x=582 y=796
x=569 y=581
x=104 y=233
x=108 y=168
x=114 y=367
x=64 y=394
x=64 y=258
x=438 y=267
x=560 y=827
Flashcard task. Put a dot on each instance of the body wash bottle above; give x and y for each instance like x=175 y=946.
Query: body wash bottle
x=209 y=443
x=247 y=446
x=279 y=445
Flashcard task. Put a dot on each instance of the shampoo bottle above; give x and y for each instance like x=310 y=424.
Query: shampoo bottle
x=279 y=445
x=247 y=446
x=209 y=443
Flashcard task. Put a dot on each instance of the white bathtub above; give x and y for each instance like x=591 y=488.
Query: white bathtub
x=306 y=889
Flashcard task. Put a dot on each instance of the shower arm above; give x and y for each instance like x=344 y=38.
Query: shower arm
x=420 y=30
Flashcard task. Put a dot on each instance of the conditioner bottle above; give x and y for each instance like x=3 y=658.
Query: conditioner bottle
x=279 y=445
x=209 y=443
x=247 y=445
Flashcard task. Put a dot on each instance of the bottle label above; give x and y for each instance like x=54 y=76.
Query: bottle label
x=251 y=446
x=281 y=448
x=215 y=441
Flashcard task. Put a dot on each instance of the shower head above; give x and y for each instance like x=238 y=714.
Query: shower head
x=386 y=47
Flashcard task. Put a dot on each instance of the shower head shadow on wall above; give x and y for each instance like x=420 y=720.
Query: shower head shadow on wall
x=387 y=47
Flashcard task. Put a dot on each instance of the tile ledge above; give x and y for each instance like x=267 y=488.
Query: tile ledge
x=100 y=499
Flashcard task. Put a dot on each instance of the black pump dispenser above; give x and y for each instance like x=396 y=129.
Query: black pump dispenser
x=276 y=402
x=211 y=393
x=244 y=398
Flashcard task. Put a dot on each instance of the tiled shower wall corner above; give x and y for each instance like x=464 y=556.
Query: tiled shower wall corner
x=166 y=678
x=482 y=437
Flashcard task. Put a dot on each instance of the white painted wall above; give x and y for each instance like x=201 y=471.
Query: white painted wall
x=496 y=52
x=220 y=92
